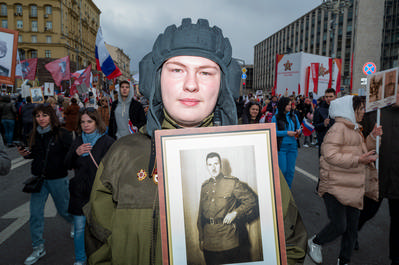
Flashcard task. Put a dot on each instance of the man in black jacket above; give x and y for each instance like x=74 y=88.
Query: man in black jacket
x=388 y=175
x=127 y=114
x=27 y=118
x=321 y=120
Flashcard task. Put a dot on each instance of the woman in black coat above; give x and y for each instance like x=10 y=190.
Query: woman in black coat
x=48 y=146
x=84 y=156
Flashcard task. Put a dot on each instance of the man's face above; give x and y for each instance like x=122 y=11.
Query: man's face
x=329 y=97
x=190 y=87
x=213 y=165
x=124 y=89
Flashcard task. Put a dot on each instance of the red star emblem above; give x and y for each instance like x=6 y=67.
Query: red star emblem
x=287 y=66
x=141 y=175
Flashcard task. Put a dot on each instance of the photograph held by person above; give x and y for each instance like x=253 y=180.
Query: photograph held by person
x=251 y=113
x=85 y=154
x=288 y=129
x=49 y=145
x=222 y=231
x=388 y=175
x=127 y=114
x=345 y=156
x=188 y=85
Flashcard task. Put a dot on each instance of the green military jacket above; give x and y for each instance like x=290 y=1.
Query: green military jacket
x=121 y=225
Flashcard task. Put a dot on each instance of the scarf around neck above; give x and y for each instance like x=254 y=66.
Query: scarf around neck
x=91 y=138
x=42 y=130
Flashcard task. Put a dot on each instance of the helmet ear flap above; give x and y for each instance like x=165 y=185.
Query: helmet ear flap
x=146 y=65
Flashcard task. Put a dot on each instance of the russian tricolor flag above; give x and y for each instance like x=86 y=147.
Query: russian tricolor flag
x=103 y=59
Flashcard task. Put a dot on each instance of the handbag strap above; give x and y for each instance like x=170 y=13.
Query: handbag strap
x=92 y=158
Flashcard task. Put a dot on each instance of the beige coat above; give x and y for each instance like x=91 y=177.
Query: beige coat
x=341 y=174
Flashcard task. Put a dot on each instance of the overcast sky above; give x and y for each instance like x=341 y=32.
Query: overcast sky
x=133 y=25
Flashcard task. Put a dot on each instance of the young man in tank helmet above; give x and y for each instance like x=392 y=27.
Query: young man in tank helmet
x=191 y=80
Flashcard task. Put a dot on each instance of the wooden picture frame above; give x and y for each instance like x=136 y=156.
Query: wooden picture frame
x=8 y=55
x=36 y=95
x=248 y=157
x=382 y=88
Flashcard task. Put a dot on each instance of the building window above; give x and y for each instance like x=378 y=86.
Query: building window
x=34 y=39
x=18 y=9
x=3 y=10
x=20 y=24
x=33 y=54
x=48 y=10
x=33 y=11
x=49 y=25
x=48 y=39
x=19 y=38
x=34 y=26
x=47 y=53
x=4 y=24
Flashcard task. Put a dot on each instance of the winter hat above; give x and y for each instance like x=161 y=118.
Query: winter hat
x=190 y=40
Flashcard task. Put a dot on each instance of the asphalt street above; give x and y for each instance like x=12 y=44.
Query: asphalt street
x=15 y=243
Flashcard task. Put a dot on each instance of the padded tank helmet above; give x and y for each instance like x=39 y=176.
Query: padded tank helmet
x=191 y=40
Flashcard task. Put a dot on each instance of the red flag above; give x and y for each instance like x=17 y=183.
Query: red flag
x=59 y=70
x=307 y=81
x=338 y=64
x=299 y=88
x=315 y=76
x=330 y=70
x=84 y=77
x=28 y=69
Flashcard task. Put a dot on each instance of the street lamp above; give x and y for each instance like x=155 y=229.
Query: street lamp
x=337 y=7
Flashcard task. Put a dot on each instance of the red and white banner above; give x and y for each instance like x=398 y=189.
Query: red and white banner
x=307 y=81
x=59 y=70
x=26 y=69
x=315 y=76
x=84 y=77
x=291 y=74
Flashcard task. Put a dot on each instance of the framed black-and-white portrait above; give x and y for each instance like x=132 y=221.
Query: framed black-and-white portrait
x=220 y=195
x=8 y=55
x=48 y=89
x=36 y=95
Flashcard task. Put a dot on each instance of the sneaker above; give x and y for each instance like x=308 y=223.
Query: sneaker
x=315 y=251
x=305 y=145
x=338 y=263
x=37 y=253
x=72 y=234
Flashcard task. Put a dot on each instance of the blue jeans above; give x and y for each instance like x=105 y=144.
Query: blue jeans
x=59 y=190
x=79 y=238
x=286 y=161
x=8 y=130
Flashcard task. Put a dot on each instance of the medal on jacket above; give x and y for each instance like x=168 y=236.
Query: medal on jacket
x=141 y=175
x=155 y=176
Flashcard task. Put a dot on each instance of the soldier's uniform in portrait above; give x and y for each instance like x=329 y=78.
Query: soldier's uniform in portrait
x=225 y=243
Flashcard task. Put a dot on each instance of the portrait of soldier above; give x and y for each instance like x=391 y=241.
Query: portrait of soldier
x=36 y=95
x=390 y=80
x=226 y=206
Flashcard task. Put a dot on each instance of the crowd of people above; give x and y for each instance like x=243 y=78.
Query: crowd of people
x=190 y=83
